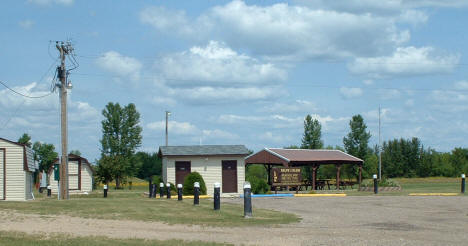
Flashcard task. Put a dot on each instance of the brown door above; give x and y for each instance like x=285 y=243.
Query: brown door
x=229 y=176
x=182 y=169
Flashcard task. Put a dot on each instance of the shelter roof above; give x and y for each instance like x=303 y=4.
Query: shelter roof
x=299 y=157
x=203 y=150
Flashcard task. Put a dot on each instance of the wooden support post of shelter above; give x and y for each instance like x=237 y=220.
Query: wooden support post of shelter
x=338 y=168
x=360 y=176
x=314 y=176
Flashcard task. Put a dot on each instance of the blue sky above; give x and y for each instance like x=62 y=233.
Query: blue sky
x=240 y=72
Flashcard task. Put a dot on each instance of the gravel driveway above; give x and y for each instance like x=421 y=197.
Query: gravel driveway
x=367 y=220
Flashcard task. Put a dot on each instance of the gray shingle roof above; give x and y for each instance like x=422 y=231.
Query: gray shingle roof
x=203 y=150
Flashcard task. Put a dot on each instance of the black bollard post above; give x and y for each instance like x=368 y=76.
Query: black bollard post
x=217 y=196
x=150 y=188
x=376 y=184
x=179 y=192
x=168 y=186
x=153 y=191
x=247 y=200
x=49 y=191
x=161 y=190
x=105 y=191
x=463 y=183
x=196 y=193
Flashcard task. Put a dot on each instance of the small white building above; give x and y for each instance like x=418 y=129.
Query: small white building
x=80 y=175
x=215 y=163
x=17 y=169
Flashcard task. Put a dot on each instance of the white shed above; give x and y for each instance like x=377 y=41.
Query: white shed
x=80 y=175
x=17 y=169
x=215 y=163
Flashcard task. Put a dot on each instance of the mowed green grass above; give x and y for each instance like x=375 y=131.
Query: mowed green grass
x=23 y=239
x=132 y=205
x=420 y=185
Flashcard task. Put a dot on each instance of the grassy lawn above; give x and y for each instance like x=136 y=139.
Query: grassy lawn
x=23 y=239
x=419 y=185
x=132 y=205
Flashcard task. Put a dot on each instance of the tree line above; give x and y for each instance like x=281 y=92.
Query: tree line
x=400 y=157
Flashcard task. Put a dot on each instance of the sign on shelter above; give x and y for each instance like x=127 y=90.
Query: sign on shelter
x=286 y=176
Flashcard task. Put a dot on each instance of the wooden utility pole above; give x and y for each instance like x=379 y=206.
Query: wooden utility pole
x=64 y=50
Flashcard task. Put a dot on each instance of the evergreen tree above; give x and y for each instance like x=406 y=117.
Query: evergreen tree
x=121 y=136
x=311 y=139
x=356 y=142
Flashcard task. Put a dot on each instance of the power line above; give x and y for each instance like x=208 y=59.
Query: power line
x=21 y=94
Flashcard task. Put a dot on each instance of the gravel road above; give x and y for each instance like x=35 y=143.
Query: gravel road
x=368 y=220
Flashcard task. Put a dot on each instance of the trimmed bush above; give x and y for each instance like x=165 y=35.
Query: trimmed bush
x=190 y=180
x=156 y=180
x=259 y=186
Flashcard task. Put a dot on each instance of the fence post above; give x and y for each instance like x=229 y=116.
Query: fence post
x=376 y=184
x=196 y=193
x=217 y=196
x=463 y=183
x=105 y=191
x=247 y=200
x=161 y=190
x=168 y=186
x=153 y=191
x=179 y=192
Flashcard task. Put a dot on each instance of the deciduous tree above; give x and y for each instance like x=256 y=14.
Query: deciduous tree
x=121 y=136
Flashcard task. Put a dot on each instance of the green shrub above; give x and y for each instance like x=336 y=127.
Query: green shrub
x=259 y=186
x=156 y=180
x=189 y=180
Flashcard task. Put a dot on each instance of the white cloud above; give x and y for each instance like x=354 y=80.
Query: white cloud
x=275 y=138
x=219 y=134
x=164 y=101
x=282 y=31
x=120 y=65
x=277 y=121
x=49 y=2
x=83 y=111
x=413 y=17
x=461 y=85
x=409 y=102
x=388 y=94
x=217 y=65
x=168 y=20
x=350 y=92
x=176 y=127
x=217 y=74
x=292 y=107
x=405 y=61
x=26 y=24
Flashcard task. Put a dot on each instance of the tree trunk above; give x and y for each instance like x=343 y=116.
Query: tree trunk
x=117 y=183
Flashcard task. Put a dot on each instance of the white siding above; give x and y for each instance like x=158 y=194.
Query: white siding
x=73 y=175
x=1 y=173
x=30 y=159
x=164 y=169
x=86 y=178
x=29 y=185
x=209 y=167
x=15 y=177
